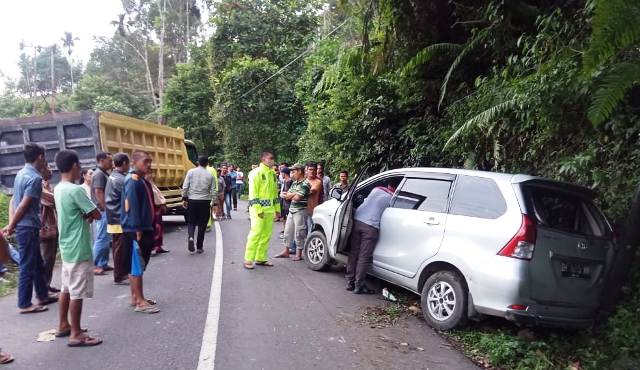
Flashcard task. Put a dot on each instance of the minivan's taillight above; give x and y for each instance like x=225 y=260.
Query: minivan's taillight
x=523 y=243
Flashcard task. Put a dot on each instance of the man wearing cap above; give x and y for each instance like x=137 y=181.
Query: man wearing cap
x=264 y=206
x=296 y=225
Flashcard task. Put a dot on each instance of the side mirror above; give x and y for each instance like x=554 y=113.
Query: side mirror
x=336 y=193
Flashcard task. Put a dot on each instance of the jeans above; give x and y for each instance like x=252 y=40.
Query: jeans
x=234 y=196
x=240 y=189
x=31 y=267
x=309 y=223
x=227 y=203
x=102 y=242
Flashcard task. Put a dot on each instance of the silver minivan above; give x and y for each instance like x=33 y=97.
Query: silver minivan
x=473 y=243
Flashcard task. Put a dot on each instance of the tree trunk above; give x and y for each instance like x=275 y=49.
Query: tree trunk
x=71 y=74
x=161 y=60
x=186 y=43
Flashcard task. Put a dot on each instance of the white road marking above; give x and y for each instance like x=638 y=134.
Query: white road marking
x=207 y=360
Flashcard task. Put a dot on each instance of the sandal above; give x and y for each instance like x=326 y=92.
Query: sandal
x=66 y=333
x=149 y=301
x=86 y=341
x=34 y=309
x=147 y=309
x=248 y=265
x=282 y=255
x=265 y=263
x=6 y=358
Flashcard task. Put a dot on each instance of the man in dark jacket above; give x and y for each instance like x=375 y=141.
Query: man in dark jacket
x=136 y=218
x=113 y=200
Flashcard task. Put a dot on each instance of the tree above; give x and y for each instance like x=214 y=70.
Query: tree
x=188 y=101
x=275 y=30
x=99 y=93
x=271 y=117
x=68 y=42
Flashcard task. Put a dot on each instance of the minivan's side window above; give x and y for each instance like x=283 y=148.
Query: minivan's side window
x=478 y=197
x=424 y=195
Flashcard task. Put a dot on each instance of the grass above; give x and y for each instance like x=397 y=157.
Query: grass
x=495 y=343
x=8 y=282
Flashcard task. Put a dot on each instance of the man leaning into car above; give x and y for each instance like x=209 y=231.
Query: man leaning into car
x=365 y=236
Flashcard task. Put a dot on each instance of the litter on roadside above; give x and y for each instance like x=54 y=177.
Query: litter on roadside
x=388 y=296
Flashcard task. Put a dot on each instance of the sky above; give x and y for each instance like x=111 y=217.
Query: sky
x=43 y=22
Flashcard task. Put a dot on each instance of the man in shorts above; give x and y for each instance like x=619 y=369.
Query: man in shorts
x=75 y=210
x=136 y=219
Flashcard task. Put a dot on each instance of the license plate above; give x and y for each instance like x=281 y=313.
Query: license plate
x=574 y=270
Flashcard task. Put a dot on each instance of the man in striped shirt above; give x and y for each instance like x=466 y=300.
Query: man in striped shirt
x=296 y=225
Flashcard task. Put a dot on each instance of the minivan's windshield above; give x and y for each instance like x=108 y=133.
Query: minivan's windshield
x=566 y=212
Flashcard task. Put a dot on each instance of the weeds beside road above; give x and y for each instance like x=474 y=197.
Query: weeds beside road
x=8 y=282
x=495 y=343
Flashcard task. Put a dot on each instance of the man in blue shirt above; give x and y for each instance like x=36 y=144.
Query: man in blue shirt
x=25 y=222
x=364 y=236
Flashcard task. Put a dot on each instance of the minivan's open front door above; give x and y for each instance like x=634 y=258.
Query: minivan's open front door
x=573 y=247
x=343 y=222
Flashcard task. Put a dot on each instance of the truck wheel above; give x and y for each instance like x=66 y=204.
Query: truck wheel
x=316 y=252
x=444 y=300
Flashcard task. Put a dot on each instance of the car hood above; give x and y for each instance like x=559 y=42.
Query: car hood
x=326 y=210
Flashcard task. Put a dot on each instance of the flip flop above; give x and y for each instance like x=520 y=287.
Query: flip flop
x=86 y=341
x=149 y=301
x=66 y=333
x=6 y=358
x=148 y=309
x=296 y=259
x=265 y=263
x=249 y=265
x=282 y=256
x=35 y=309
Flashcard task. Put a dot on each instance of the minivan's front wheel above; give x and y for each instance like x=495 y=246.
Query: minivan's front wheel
x=316 y=251
x=444 y=300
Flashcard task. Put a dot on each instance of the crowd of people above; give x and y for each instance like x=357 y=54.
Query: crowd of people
x=289 y=194
x=117 y=206
x=89 y=212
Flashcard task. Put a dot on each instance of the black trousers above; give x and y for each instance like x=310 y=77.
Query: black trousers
x=146 y=245
x=363 y=243
x=198 y=213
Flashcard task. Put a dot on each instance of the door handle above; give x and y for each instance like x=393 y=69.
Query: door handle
x=432 y=221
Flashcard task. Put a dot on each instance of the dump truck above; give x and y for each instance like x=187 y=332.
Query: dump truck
x=89 y=132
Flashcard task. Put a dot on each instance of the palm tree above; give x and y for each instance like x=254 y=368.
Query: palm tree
x=68 y=41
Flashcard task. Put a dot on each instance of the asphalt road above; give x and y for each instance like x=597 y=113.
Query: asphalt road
x=283 y=317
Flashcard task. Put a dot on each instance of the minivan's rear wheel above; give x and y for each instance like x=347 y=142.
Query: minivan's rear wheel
x=316 y=251
x=444 y=300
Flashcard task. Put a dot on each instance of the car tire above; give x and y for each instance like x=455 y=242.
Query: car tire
x=444 y=300
x=316 y=251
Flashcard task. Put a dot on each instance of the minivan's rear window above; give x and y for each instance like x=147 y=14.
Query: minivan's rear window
x=566 y=212
x=478 y=197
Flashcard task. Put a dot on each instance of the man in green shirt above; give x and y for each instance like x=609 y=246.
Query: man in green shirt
x=296 y=226
x=75 y=210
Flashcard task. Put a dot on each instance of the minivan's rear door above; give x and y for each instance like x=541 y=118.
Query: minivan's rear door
x=573 y=245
